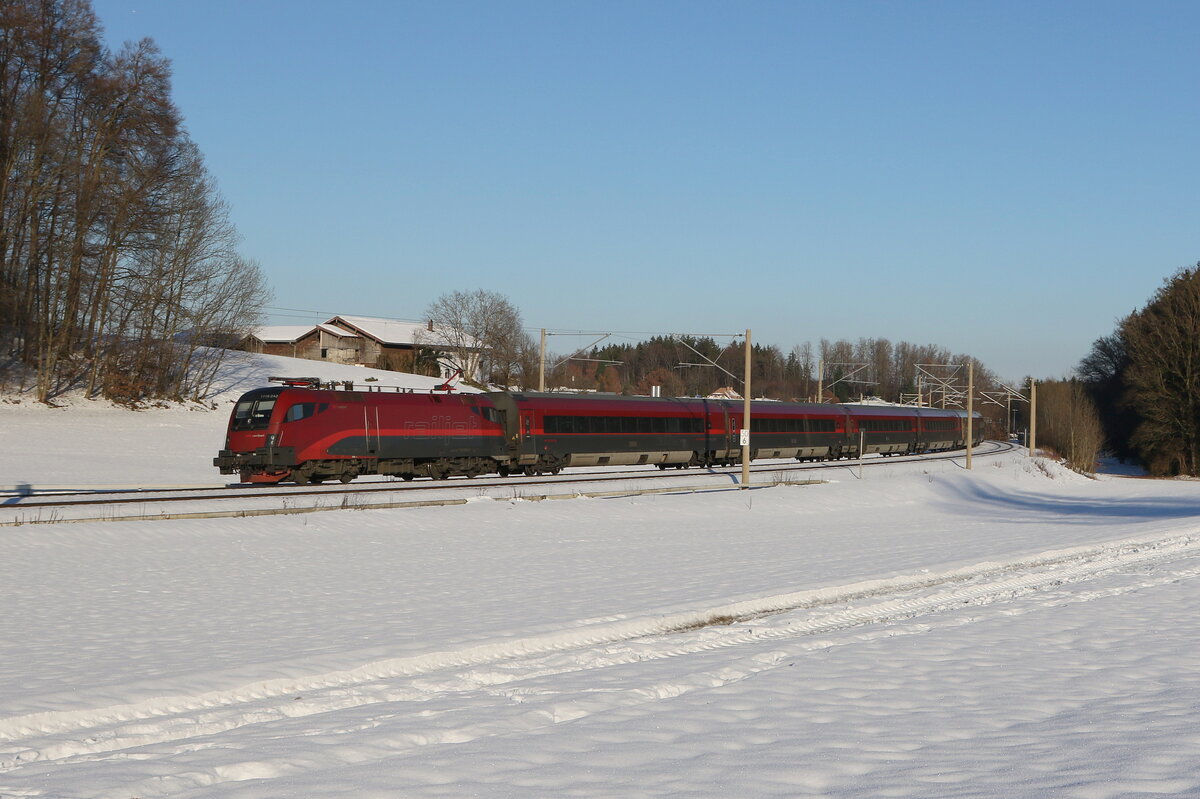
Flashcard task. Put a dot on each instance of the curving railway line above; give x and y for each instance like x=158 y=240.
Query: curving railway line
x=78 y=505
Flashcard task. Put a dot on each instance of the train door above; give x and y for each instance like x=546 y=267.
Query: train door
x=720 y=444
x=528 y=440
x=733 y=426
x=515 y=421
x=712 y=438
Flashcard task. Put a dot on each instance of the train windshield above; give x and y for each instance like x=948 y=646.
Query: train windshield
x=253 y=411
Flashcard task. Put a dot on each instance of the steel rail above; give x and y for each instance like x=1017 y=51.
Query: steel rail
x=344 y=492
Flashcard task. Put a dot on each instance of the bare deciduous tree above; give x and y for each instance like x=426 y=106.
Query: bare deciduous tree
x=114 y=247
x=482 y=331
x=1068 y=422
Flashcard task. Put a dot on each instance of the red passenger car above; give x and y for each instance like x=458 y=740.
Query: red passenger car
x=550 y=431
x=883 y=429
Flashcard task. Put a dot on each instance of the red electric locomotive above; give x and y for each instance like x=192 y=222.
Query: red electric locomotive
x=308 y=432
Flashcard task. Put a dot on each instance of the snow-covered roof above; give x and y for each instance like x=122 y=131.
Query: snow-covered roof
x=395 y=331
x=336 y=331
x=386 y=331
x=282 y=333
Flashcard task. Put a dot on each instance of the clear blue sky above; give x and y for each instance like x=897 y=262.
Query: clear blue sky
x=1004 y=179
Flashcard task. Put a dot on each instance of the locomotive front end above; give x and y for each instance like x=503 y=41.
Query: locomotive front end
x=251 y=449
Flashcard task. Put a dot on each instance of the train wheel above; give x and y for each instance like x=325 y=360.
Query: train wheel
x=346 y=477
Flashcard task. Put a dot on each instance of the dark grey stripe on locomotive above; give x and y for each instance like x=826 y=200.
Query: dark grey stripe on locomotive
x=419 y=447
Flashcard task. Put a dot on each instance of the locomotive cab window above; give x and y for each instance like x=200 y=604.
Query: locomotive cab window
x=253 y=412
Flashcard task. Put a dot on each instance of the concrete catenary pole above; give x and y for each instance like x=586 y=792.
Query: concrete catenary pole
x=746 y=420
x=542 y=364
x=1032 y=418
x=970 y=410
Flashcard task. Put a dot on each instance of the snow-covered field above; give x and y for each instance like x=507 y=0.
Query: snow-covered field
x=1013 y=631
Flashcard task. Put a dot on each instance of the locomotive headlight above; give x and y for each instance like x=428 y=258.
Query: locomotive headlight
x=271 y=439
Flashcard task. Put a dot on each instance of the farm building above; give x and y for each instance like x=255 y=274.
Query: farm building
x=368 y=341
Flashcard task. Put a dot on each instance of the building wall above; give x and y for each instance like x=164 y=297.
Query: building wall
x=276 y=348
x=369 y=354
x=336 y=349
x=308 y=347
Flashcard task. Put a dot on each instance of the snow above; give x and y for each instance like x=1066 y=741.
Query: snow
x=81 y=442
x=1016 y=630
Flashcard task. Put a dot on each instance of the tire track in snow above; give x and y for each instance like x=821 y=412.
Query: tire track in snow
x=55 y=737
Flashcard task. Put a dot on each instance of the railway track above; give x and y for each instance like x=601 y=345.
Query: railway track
x=31 y=507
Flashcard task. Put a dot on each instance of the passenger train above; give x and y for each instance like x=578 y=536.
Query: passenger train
x=305 y=431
